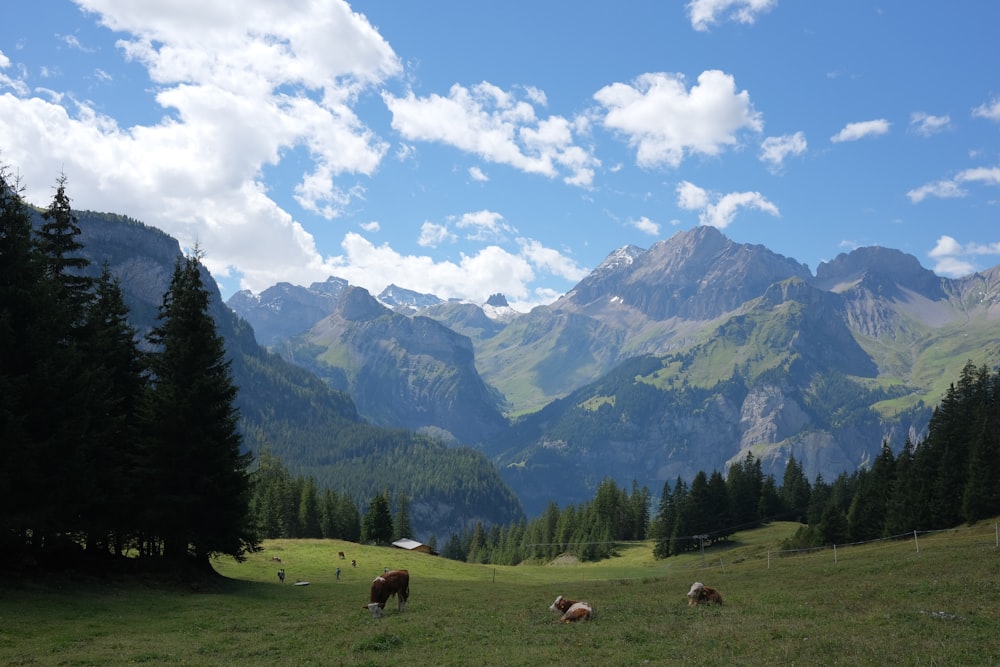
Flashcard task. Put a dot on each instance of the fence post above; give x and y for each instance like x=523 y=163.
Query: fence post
x=834 y=553
x=769 y=560
x=916 y=541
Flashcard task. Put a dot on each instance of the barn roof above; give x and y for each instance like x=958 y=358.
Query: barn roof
x=407 y=543
x=413 y=545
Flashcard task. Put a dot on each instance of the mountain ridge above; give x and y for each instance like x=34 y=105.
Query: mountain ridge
x=755 y=354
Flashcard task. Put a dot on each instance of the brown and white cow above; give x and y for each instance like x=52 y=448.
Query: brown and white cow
x=573 y=610
x=384 y=586
x=702 y=594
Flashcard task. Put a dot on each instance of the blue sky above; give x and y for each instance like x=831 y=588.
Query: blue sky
x=464 y=148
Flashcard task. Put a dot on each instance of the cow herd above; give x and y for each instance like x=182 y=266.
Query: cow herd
x=397 y=583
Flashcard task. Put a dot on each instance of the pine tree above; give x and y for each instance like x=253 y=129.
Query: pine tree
x=117 y=384
x=196 y=479
x=376 y=526
x=401 y=526
x=308 y=515
x=25 y=344
x=795 y=491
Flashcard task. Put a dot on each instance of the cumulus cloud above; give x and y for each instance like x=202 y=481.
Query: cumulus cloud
x=646 y=226
x=664 y=121
x=867 y=128
x=705 y=13
x=473 y=277
x=238 y=87
x=988 y=110
x=432 y=235
x=720 y=212
x=477 y=174
x=15 y=83
x=955 y=260
x=498 y=126
x=484 y=225
x=774 y=150
x=941 y=189
x=690 y=197
x=926 y=125
x=952 y=188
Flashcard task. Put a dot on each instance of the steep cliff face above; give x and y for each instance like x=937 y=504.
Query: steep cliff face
x=284 y=310
x=407 y=372
x=315 y=430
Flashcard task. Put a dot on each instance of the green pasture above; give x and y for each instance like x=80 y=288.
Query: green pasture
x=930 y=601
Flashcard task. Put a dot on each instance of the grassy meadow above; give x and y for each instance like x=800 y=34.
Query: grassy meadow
x=934 y=601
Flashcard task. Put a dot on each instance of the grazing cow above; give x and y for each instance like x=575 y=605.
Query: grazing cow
x=384 y=586
x=275 y=559
x=702 y=594
x=354 y=563
x=573 y=610
x=281 y=575
x=340 y=555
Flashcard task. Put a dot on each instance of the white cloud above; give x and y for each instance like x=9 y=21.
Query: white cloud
x=955 y=260
x=665 y=121
x=690 y=197
x=867 y=128
x=942 y=189
x=239 y=86
x=432 y=235
x=484 y=225
x=704 y=13
x=724 y=209
x=497 y=126
x=372 y=226
x=474 y=277
x=18 y=85
x=774 y=150
x=477 y=174
x=646 y=226
x=952 y=188
x=988 y=110
x=987 y=175
x=926 y=125
x=551 y=261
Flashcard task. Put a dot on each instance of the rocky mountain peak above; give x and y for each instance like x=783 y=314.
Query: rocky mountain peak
x=497 y=301
x=878 y=270
x=357 y=304
x=406 y=300
x=697 y=274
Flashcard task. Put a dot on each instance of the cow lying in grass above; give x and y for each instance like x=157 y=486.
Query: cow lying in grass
x=573 y=610
x=384 y=586
x=702 y=594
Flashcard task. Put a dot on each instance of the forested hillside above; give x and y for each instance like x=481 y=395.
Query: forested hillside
x=951 y=477
x=75 y=428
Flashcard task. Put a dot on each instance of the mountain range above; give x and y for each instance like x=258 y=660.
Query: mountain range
x=664 y=361
x=314 y=429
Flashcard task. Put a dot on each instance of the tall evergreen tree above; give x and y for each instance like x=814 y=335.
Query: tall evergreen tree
x=196 y=478
x=376 y=526
x=745 y=482
x=25 y=345
x=401 y=526
x=65 y=410
x=904 y=511
x=795 y=491
x=308 y=516
x=117 y=384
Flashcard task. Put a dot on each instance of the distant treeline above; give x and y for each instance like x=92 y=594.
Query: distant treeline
x=952 y=477
x=285 y=506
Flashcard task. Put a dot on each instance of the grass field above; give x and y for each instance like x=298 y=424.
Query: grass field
x=931 y=601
